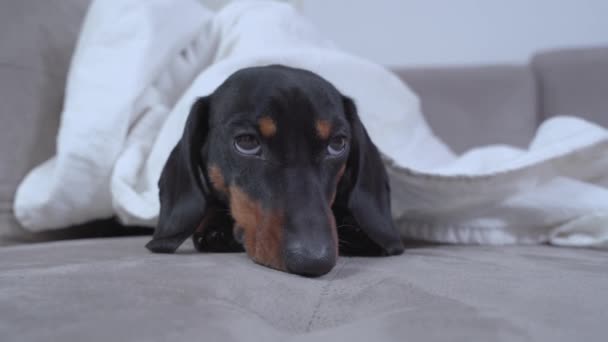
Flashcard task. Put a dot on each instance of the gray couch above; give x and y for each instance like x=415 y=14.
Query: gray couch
x=99 y=286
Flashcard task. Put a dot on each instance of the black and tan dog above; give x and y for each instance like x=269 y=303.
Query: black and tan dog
x=276 y=162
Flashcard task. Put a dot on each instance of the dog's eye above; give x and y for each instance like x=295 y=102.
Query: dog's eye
x=336 y=146
x=247 y=144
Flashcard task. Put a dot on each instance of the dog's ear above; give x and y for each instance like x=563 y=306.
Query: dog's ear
x=362 y=206
x=183 y=189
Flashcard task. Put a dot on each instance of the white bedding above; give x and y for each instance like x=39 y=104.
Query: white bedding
x=139 y=65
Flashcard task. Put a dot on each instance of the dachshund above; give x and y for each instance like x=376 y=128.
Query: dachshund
x=276 y=162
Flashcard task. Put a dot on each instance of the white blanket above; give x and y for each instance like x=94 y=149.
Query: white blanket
x=139 y=65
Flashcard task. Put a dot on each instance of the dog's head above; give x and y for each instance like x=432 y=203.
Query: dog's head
x=277 y=161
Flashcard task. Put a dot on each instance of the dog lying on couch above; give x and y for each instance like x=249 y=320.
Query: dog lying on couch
x=276 y=163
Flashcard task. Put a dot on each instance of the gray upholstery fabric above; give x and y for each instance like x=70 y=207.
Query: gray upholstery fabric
x=475 y=106
x=114 y=290
x=36 y=42
x=574 y=82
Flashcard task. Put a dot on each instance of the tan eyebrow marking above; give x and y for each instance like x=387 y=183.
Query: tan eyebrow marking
x=323 y=128
x=267 y=126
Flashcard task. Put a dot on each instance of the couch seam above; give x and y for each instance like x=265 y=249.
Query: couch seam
x=324 y=292
x=539 y=90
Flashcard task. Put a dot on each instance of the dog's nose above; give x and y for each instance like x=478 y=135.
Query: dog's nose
x=310 y=262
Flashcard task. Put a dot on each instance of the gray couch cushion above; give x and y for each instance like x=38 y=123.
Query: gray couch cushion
x=36 y=42
x=115 y=290
x=475 y=106
x=574 y=82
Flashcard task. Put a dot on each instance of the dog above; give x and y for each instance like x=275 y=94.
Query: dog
x=276 y=162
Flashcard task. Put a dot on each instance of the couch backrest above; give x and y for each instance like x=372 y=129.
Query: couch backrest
x=36 y=43
x=573 y=82
x=475 y=106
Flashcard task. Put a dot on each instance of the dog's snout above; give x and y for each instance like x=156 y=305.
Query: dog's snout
x=309 y=261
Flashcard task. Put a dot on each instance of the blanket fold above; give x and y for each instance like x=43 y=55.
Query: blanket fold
x=138 y=67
